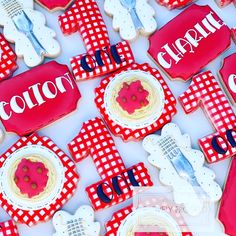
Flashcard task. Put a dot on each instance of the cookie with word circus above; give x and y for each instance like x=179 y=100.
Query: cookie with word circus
x=36 y=179
x=172 y=4
x=228 y=76
x=40 y=96
x=227 y=211
x=7 y=59
x=204 y=90
x=101 y=57
x=135 y=102
x=8 y=228
x=54 y=5
x=25 y=27
x=128 y=221
x=182 y=168
x=189 y=39
x=117 y=181
x=81 y=223
x=131 y=18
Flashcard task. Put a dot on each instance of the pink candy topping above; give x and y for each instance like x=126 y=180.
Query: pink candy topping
x=31 y=177
x=132 y=97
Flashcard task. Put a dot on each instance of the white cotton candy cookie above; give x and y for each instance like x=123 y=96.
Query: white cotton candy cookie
x=171 y=152
x=123 y=22
x=23 y=45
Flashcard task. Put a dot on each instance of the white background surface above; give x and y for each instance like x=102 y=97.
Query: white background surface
x=63 y=131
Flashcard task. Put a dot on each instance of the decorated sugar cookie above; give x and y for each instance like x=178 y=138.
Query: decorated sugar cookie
x=36 y=179
x=81 y=223
x=135 y=102
x=182 y=168
x=26 y=28
x=54 y=5
x=8 y=228
x=7 y=59
x=131 y=17
x=228 y=75
x=41 y=96
x=223 y=3
x=227 y=207
x=172 y=4
x=204 y=90
x=101 y=57
x=189 y=39
x=125 y=221
x=117 y=181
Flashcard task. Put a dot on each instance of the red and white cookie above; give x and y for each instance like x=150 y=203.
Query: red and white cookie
x=228 y=75
x=205 y=91
x=227 y=211
x=182 y=168
x=172 y=4
x=54 y=5
x=101 y=57
x=131 y=21
x=8 y=228
x=189 y=39
x=36 y=179
x=25 y=27
x=135 y=102
x=47 y=92
x=223 y=3
x=7 y=59
x=117 y=181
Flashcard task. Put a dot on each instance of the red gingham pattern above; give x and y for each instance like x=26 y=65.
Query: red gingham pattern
x=205 y=91
x=171 y=4
x=7 y=59
x=71 y=178
x=113 y=225
x=8 y=228
x=94 y=139
x=84 y=16
x=137 y=134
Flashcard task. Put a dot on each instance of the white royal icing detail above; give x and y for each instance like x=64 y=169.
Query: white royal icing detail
x=170 y=164
x=82 y=223
x=123 y=22
x=23 y=46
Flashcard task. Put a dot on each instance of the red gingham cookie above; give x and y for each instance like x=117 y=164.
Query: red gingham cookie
x=8 y=228
x=171 y=4
x=117 y=181
x=128 y=134
x=31 y=217
x=101 y=58
x=7 y=59
x=205 y=91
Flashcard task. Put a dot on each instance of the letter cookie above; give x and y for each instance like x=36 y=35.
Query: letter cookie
x=131 y=17
x=228 y=75
x=82 y=223
x=117 y=181
x=189 y=39
x=205 y=91
x=172 y=4
x=26 y=28
x=47 y=92
x=8 y=228
x=36 y=180
x=181 y=167
x=54 y=5
x=227 y=211
x=7 y=59
x=135 y=102
x=101 y=58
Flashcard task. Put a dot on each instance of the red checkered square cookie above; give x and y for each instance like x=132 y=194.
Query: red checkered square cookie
x=8 y=228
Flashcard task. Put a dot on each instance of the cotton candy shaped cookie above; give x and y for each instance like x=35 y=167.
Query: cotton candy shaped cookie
x=182 y=168
x=26 y=28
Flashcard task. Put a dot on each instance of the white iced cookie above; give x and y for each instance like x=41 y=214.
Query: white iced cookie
x=26 y=28
x=131 y=17
x=182 y=168
x=82 y=223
